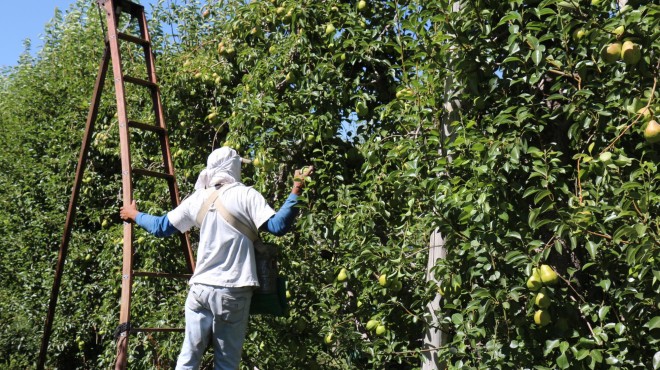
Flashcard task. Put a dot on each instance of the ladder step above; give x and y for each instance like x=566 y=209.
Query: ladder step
x=162 y=275
x=161 y=175
x=133 y=39
x=147 y=127
x=136 y=330
x=141 y=82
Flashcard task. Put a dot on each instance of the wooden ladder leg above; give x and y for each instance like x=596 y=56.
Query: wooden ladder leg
x=127 y=183
x=71 y=213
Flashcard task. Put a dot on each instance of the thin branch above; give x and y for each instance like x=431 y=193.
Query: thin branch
x=639 y=115
x=416 y=351
x=599 y=234
x=641 y=215
x=579 y=182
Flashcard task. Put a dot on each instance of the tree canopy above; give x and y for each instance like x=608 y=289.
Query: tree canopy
x=522 y=131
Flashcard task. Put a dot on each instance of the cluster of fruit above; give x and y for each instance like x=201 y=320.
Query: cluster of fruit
x=537 y=282
x=374 y=325
x=627 y=51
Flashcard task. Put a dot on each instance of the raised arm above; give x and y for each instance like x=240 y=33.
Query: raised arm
x=282 y=221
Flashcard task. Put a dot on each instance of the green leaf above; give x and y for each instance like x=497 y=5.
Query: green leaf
x=541 y=195
x=562 y=361
x=511 y=59
x=537 y=56
x=619 y=328
x=602 y=312
x=596 y=355
x=514 y=234
x=512 y=15
x=532 y=217
x=592 y=248
x=656 y=360
x=582 y=354
x=550 y=345
x=654 y=323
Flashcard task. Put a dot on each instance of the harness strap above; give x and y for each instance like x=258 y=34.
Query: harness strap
x=216 y=200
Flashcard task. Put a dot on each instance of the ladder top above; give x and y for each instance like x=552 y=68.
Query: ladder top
x=127 y=6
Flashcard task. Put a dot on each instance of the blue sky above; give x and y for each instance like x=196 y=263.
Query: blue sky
x=20 y=20
x=23 y=19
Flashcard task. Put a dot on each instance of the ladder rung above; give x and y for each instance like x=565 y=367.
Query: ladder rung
x=133 y=39
x=136 y=330
x=143 y=172
x=141 y=82
x=161 y=275
x=147 y=127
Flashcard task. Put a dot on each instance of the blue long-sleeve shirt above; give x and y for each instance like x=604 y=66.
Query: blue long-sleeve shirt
x=279 y=224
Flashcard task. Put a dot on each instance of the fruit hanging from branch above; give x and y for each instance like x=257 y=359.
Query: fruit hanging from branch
x=652 y=132
x=534 y=281
x=329 y=29
x=542 y=318
x=630 y=53
x=548 y=275
x=611 y=53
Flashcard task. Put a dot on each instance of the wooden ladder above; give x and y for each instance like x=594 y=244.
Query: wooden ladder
x=113 y=10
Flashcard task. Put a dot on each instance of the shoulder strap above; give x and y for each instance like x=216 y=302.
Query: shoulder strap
x=235 y=222
x=231 y=219
x=205 y=207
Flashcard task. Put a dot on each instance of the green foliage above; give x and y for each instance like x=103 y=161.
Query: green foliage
x=498 y=124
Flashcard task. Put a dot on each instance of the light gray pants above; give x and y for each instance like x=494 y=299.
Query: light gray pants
x=218 y=314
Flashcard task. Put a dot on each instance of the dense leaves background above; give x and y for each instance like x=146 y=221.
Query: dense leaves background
x=495 y=123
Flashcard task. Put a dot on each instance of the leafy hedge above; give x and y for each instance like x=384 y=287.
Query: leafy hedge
x=498 y=124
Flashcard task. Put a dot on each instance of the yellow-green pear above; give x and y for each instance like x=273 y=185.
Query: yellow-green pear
x=652 y=132
x=611 y=53
x=630 y=53
x=382 y=280
x=542 y=318
x=372 y=324
x=542 y=299
x=578 y=33
x=534 y=281
x=361 y=108
x=548 y=275
x=645 y=112
x=329 y=29
x=343 y=275
x=619 y=30
x=290 y=77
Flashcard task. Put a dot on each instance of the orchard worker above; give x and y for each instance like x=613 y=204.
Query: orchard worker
x=218 y=303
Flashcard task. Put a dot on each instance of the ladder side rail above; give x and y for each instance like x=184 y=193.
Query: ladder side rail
x=113 y=15
x=71 y=213
x=175 y=197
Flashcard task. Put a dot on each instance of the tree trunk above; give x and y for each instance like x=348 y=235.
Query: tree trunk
x=434 y=337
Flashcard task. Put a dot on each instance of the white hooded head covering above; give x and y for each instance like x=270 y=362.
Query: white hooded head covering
x=222 y=167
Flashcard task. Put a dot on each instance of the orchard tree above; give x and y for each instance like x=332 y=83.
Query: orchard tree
x=524 y=132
